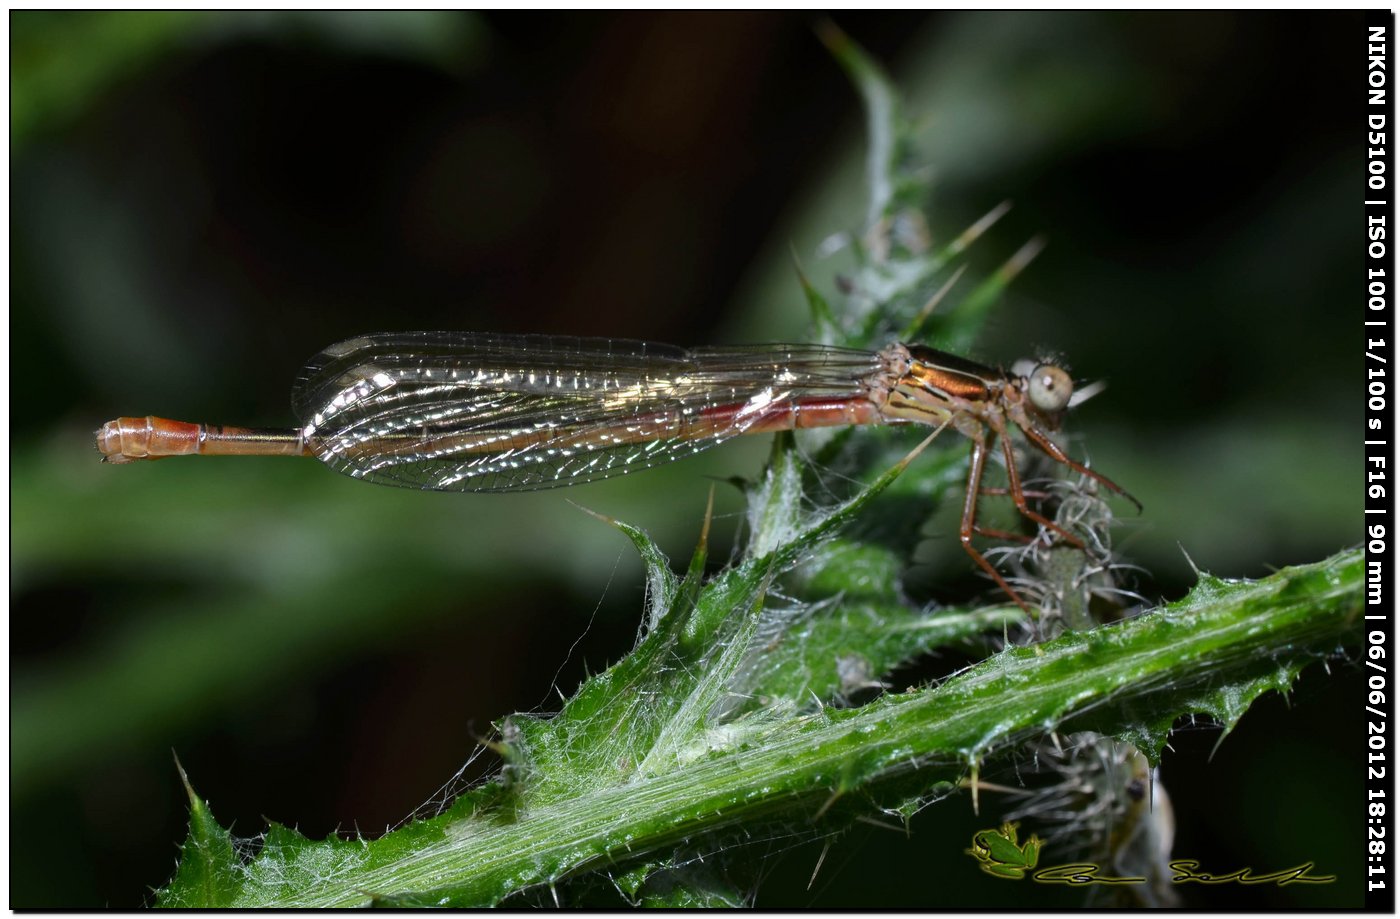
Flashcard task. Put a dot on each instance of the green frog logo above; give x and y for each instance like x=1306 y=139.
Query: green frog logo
x=1000 y=855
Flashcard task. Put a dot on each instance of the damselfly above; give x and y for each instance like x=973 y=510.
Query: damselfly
x=458 y=411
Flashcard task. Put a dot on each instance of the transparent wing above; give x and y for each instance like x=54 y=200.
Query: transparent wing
x=455 y=411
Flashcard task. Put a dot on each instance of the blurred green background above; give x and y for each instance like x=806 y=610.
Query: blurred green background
x=201 y=201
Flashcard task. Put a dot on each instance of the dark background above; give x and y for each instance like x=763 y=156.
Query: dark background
x=201 y=201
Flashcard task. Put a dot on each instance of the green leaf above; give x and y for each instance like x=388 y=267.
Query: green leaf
x=819 y=310
x=1211 y=652
x=882 y=119
x=208 y=873
x=661 y=581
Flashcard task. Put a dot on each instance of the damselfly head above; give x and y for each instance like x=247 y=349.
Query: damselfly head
x=1047 y=388
x=1050 y=388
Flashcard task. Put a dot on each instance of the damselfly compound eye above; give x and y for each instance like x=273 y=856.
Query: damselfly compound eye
x=1050 y=388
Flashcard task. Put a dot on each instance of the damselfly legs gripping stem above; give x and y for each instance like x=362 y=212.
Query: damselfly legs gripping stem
x=458 y=411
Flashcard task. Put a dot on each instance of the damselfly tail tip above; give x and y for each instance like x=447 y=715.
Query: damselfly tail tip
x=109 y=442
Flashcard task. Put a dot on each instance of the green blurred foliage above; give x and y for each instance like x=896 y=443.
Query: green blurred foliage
x=63 y=64
x=60 y=63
